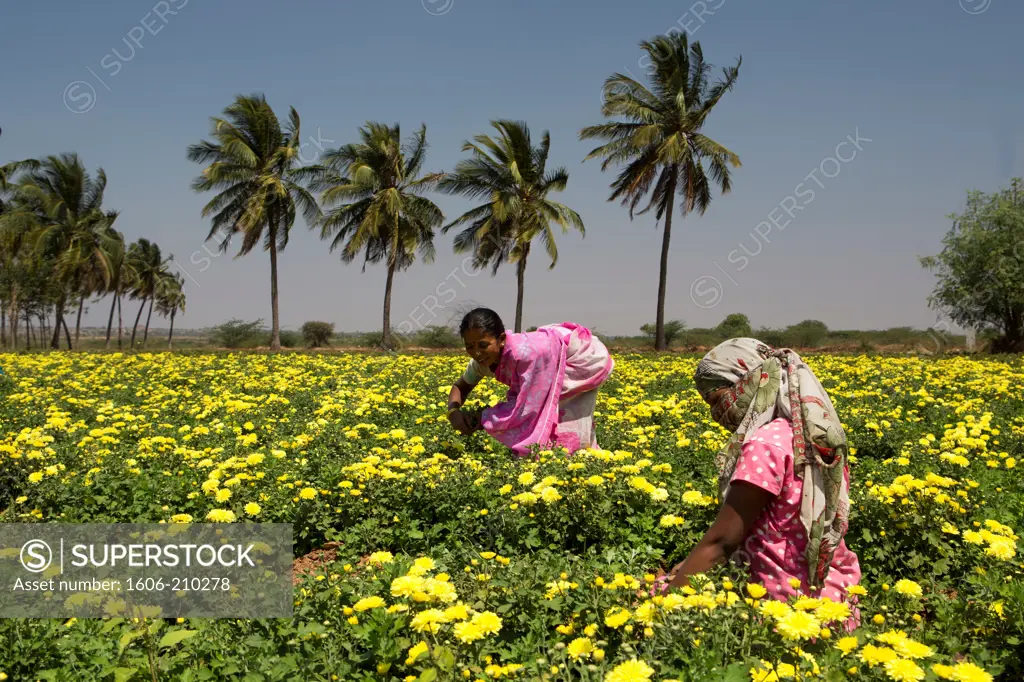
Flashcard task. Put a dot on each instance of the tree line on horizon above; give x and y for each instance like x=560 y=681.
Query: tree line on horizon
x=368 y=199
x=59 y=248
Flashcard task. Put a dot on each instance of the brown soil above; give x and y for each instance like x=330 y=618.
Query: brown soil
x=311 y=562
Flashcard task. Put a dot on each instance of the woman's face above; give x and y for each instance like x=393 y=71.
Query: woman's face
x=715 y=397
x=483 y=346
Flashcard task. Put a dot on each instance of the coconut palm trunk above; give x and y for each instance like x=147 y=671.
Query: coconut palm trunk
x=120 y=324
x=386 y=334
x=78 y=320
x=110 y=319
x=67 y=332
x=659 y=334
x=149 y=316
x=275 y=320
x=170 y=335
x=135 y=328
x=520 y=285
x=58 y=316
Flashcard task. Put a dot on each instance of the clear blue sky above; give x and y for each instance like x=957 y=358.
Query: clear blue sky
x=936 y=89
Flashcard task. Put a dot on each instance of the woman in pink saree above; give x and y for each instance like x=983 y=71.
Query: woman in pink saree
x=552 y=375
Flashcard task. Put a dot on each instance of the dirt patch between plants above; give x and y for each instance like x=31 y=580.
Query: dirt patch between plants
x=312 y=562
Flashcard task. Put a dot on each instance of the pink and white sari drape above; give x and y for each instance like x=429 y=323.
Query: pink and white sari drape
x=553 y=375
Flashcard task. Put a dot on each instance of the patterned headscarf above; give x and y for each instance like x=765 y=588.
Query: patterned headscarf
x=765 y=384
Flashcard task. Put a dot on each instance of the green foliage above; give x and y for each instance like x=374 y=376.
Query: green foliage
x=980 y=269
x=437 y=336
x=673 y=330
x=512 y=175
x=289 y=338
x=236 y=333
x=806 y=334
x=658 y=138
x=736 y=325
x=317 y=334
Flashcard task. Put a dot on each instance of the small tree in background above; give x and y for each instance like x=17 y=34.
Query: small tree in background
x=236 y=333
x=736 y=325
x=981 y=267
x=673 y=330
x=806 y=334
x=317 y=334
x=437 y=336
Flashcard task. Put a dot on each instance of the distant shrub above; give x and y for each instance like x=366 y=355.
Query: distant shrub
x=236 y=333
x=290 y=338
x=806 y=334
x=736 y=325
x=317 y=334
x=437 y=336
x=673 y=330
x=773 y=337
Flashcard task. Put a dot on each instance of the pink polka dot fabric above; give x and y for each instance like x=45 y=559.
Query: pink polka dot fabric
x=777 y=541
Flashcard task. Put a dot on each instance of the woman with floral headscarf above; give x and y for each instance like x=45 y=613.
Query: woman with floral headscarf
x=783 y=475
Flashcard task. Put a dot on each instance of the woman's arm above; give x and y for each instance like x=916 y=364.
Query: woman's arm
x=460 y=391
x=456 y=398
x=734 y=521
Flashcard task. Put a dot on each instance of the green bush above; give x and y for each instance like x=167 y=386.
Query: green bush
x=806 y=334
x=437 y=336
x=236 y=333
x=317 y=334
x=736 y=325
x=290 y=338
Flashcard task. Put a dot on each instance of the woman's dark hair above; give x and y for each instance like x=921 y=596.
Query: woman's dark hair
x=483 y=319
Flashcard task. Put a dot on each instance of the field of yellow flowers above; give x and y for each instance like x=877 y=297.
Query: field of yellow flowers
x=456 y=561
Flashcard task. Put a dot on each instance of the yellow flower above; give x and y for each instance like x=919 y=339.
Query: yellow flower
x=873 y=655
x=775 y=609
x=367 y=603
x=581 y=647
x=630 y=671
x=857 y=590
x=968 y=672
x=846 y=645
x=830 y=611
x=488 y=622
x=415 y=652
x=756 y=591
x=220 y=516
x=428 y=621
x=903 y=671
x=799 y=625
x=380 y=558
x=878 y=619
x=307 y=493
x=909 y=588
x=616 y=617
x=253 y=509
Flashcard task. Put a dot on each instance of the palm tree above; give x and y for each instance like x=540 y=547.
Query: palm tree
x=87 y=265
x=57 y=201
x=150 y=267
x=512 y=174
x=122 y=281
x=254 y=164
x=660 y=142
x=170 y=298
x=374 y=187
